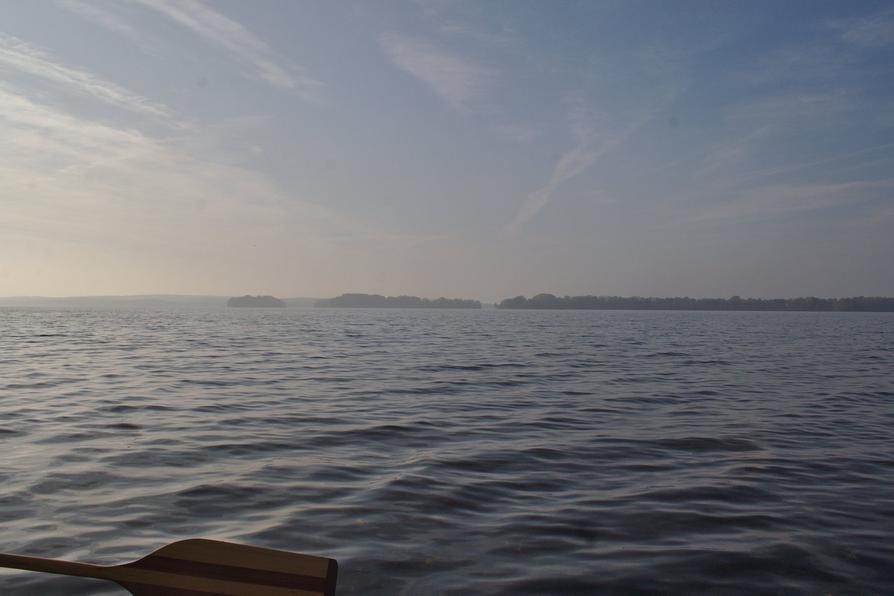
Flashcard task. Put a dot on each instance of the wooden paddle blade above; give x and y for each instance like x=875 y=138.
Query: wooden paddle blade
x=199 y=567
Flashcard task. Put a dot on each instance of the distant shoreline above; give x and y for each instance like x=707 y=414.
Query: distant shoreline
x=248 y=301
x=379 y=301
x=807 y=304
x=538 y=302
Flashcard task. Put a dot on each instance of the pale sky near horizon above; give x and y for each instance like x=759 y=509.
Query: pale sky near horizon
x=457 y=148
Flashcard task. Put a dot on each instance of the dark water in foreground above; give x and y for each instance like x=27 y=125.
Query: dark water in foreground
x=459 y=452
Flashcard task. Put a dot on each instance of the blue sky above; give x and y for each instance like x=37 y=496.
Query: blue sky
x=477 y=149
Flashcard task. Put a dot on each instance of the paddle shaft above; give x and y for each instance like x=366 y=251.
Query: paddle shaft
x=53 y=566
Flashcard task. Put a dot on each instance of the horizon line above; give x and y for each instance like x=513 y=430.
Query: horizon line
x=226 y=296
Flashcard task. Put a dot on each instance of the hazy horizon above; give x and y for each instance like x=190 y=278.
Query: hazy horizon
x=222 y=297
x=446 y=148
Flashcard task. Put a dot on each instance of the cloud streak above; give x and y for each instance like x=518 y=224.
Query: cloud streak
x=18 y=55
x=89 y=192
x=569 y=165
x=780 y=200
x=48 y=132
x=874 y=31
x=229 y=35
x=99 y=15
x=591 y=145
x=601 y=128
x=457 y=81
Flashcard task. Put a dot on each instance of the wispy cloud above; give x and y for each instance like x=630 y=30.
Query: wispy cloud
x=92 y=191
x=733 y=157
x=505 y=38
x=782 y=199
x=223 y=32
x=18 y=55
x=37 y=132
x=602 y=124
x=753 y=128
x=873 y=31
x=455 y=80
x=100 y=15
x=520 y=133
x=835 y=56
x=570 y=164
x=594 y=138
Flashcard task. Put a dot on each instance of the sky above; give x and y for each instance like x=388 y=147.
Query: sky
x=447 y=148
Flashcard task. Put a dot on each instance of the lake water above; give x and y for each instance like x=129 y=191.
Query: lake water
x=458 y=452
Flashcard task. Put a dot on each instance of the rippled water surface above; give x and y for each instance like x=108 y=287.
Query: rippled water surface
x=458 y=452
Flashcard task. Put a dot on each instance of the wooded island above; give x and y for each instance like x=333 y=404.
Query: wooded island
x=378 y=301
x=256 y=302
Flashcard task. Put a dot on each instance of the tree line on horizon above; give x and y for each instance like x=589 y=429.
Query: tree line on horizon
x=255 y=301
x=549 y=301
x=379 y=301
